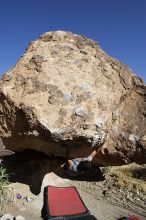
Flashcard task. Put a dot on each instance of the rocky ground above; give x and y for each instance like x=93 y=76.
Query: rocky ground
x=111 y=194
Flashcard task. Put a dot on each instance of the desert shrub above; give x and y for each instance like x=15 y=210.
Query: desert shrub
x=130 y=176
x=5 y=194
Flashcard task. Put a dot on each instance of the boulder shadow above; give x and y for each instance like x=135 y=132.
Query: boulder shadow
x=29 y=167
x=91 y=175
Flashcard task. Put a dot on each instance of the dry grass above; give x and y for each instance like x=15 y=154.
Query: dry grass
x=6 y=197
x=131 y=177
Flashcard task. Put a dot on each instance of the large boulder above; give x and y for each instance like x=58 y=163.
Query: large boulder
x=66 y=90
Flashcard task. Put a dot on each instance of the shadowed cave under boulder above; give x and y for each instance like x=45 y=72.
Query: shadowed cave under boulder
x=30 y=166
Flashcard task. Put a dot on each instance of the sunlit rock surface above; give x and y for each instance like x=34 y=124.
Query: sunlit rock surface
x=66 y=90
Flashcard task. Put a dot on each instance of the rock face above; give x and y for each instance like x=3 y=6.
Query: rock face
x=66 y=90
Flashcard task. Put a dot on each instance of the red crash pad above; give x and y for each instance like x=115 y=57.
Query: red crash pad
x=63 y=202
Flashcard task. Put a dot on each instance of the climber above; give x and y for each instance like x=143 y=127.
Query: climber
x=79 y=166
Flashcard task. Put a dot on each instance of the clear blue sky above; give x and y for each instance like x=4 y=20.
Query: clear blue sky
x=119 y=26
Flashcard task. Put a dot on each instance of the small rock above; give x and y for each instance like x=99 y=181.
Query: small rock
x=7 y=217
x=128 y=196
x=138 y=193
x=19 y=217
x=28 y=199
x=104 y=192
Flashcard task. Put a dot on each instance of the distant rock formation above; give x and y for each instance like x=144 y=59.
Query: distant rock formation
x=66 y=90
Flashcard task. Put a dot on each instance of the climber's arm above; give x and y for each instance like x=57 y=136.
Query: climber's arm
x=70 y=162
x=93 y=154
